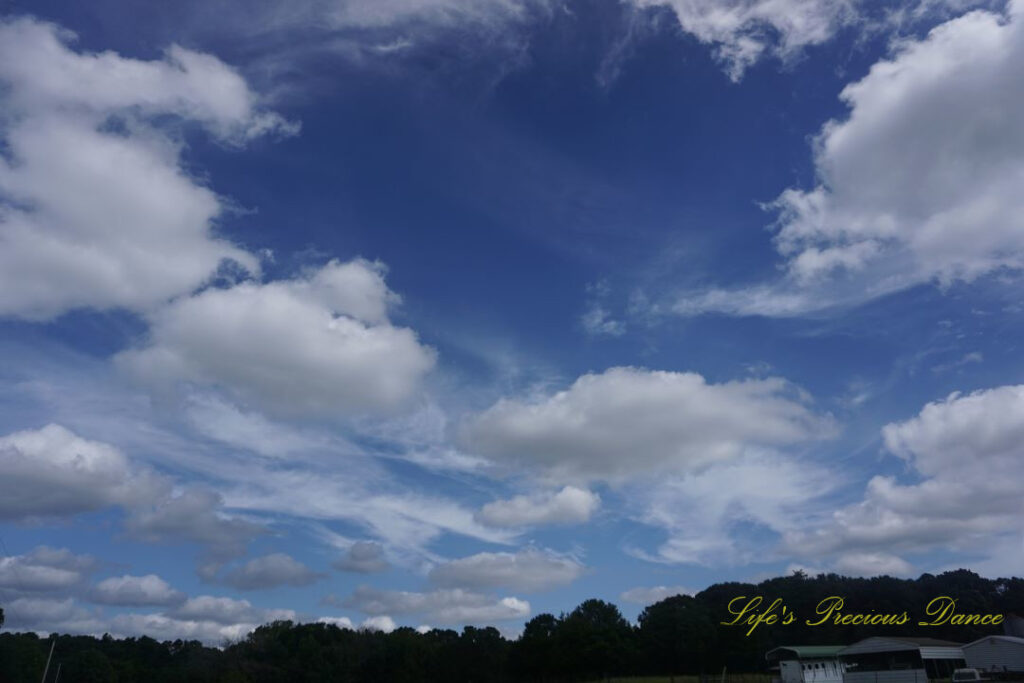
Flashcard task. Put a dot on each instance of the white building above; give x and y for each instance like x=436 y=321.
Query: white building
x=996 y=654
x=806 y=663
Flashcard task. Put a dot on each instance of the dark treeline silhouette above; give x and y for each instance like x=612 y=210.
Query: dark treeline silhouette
x=678 y=635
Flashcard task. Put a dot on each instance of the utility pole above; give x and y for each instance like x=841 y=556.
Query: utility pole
x=53 y=644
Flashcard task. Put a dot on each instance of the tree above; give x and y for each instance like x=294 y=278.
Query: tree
x=596 y=640
x=674 y=634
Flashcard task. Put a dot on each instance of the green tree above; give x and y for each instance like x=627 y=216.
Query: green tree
x=675 y=634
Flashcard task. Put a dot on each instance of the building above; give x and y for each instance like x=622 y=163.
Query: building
x=806 y=663
x=900 y=660
x=996 y=654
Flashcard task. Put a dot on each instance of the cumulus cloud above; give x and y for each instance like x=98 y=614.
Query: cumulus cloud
x=224 y=620
x=872 y=564
x=44 y=569
x=965 y=459
x=50 y=615
x=379 y=623
x=363 y=557
x=54 y=472
x=530 y=569
x=98 y=211
x=629 y=422
x=340 y=622
x=136 y=591
x=443 y=606
x=918 y=184
x=193 y=514
x=742 y=31
x=270 y=571
x=570 y=505
x=226 y=611
x=648 y=595
x=317 y=344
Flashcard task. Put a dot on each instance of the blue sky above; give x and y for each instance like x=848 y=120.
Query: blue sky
x=449 y=312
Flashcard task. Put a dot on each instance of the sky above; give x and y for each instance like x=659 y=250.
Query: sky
x=441 y=312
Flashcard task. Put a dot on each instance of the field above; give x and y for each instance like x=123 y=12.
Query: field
x=729 y=678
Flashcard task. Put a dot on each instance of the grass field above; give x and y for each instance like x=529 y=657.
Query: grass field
x=729 y=678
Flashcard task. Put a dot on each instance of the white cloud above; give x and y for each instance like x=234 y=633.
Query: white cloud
x=44 y=569
x=872 y=564
x=919 y=183
x=51 y=615
x=529 y=570
x=193 y=514
x=340 y=622
x=598 y=321
x=915 y=175
x=570 y=505
x=53 y=472
x=443 y=606
x=250 y=431
x=648 y=595
x=318 y=344
x=162 y=627
x=707 y=515
x=743 y=31
x=965 y=458
x=379 y=623
x=629 y=422
x=209 y=626
x=136 y=591
x=363 y=557
x=98 y=211
x=227 y=611
x=270 y=571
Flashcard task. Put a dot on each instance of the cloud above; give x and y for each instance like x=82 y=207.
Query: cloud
x=527 y=570
x=743 y=31
x=965 y=458
x=51 y=615
x=270 y=571
x=363 y=557
x=319 y=344
x=53 y=472
x=642 y=595
x=872 y=564
x=98 y=211
x=226 y=611
x=44 y=569
x=162 y=628
x=597 y=321
x=570 y=505
x=67 y=616
x=340 y=622
x=914 y=185
x=136 y=591
x=193 y=514
x=630 y=422
x=443 y=606
x=732 y=512
x=379 y=623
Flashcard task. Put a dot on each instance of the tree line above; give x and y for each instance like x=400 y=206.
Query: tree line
x=678 y=635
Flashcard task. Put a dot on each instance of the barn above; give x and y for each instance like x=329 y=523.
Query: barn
x=900 y=660
x=806 y=663
x=996 y=654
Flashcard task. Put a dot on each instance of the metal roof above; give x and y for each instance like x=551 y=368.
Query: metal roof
x=929 y=647
x=807 y=651
x=1005 y=639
